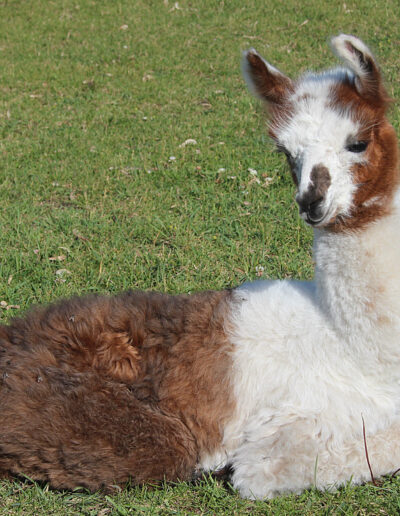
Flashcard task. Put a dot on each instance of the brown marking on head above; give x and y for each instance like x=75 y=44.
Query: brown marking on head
x=311 y=200
x=364 y=96
x=98 y=391
x=320 y=179
x=345 y=97
x=377 y=179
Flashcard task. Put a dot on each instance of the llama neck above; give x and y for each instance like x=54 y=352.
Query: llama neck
x=358 y=288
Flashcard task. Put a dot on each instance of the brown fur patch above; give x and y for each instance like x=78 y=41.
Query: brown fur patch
x=377 y=180
x=369 y=83
x=116 y=356
x=320 y=178
x=98 y=390
x=320 y=182
x=271 y=87
x=379 y=176
x=369 y=104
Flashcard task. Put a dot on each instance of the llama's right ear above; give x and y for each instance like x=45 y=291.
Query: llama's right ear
x=358 y=57
x=264 y=80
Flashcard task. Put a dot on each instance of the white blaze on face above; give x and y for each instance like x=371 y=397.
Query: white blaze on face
x=317 y=134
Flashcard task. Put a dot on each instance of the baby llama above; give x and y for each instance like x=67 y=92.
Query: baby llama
x=284 y=381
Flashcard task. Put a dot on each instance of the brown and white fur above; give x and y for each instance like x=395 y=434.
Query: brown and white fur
x=275 y=378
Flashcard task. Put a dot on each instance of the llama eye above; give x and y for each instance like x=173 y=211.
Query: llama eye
x=357 y=146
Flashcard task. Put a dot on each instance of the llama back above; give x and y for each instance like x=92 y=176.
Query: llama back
x=98 y=390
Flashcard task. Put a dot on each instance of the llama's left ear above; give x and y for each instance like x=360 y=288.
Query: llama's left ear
x=264 y=80
x=358 y=57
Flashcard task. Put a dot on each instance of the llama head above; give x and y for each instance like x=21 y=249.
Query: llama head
x=341 y=149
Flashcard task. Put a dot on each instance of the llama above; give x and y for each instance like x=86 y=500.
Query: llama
x=277 y=379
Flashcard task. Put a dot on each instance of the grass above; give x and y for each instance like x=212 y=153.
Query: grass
x=96 y=99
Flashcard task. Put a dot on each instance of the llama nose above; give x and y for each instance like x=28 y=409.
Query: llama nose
x=311 y=207
x=311 y=201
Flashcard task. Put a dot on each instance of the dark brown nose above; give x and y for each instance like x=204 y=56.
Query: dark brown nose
x=311 y=206
x=310 y=202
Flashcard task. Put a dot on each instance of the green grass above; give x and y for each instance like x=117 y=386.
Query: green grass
x=95 y=98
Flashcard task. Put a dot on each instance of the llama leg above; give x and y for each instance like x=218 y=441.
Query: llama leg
x=79 y=430
x=286 y=454
x=349 y=461
x=277 y=454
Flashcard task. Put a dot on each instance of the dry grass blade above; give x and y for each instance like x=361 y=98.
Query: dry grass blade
x=366 y=454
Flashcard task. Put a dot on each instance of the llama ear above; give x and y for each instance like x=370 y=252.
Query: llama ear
x=263 y=79
x=358 y=57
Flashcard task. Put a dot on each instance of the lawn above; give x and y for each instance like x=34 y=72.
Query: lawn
x=127 y=156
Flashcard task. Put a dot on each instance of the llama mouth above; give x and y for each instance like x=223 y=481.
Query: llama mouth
x=320 y=222
x=316 y=218
x=312 y=222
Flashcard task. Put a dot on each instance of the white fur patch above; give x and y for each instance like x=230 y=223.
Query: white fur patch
x=312 y=362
